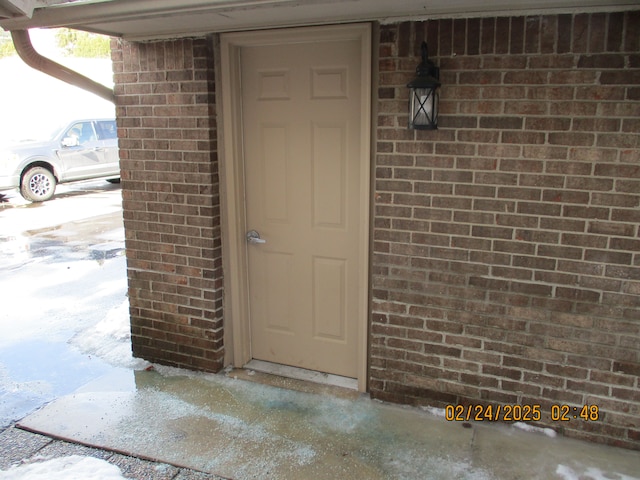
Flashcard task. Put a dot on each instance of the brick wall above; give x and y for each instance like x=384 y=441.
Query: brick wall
x=506 y=259
x=166 y=125
x=506 y=262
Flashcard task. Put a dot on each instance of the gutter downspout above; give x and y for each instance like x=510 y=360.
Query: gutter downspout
x=27 y=53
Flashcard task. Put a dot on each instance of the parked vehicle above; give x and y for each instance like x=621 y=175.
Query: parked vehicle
x=78 y=150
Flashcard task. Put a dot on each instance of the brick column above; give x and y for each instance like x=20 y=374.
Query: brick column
x=167 y=129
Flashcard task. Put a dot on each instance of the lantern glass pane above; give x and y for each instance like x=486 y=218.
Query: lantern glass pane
x=423 y=108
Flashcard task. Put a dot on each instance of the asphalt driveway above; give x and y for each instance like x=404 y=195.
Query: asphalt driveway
x=62 y=276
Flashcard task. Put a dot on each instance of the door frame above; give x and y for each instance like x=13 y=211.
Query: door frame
x=237 y=335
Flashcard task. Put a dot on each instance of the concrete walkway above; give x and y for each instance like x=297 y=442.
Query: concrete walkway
x=274 y=428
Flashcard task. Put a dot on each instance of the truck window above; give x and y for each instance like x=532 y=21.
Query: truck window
x=107 y=129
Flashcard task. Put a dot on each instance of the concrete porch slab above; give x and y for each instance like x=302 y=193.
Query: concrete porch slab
x=242 y=429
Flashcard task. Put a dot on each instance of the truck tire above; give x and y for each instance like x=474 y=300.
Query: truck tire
x=37 y=185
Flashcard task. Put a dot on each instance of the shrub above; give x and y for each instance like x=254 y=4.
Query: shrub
x=6 y=45
x=83 y=44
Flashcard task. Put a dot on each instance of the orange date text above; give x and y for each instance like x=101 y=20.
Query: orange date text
x=493 y=413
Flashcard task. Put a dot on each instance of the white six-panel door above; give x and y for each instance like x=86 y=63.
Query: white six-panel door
x=305 y=173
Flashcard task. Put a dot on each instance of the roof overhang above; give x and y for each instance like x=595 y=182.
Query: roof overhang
x=16 y=8
x=154 y=19
x=25 y=8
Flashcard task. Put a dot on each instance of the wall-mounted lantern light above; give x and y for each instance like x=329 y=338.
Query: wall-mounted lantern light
x=423 y=95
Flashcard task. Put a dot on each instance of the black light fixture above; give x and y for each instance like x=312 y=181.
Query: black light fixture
x=423 y=95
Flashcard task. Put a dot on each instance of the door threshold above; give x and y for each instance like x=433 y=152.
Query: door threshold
x=302 y=374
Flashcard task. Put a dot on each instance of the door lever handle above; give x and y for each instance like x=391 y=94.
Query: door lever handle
x=254 y=237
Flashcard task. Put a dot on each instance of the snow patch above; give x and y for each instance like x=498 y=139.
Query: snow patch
x=549 y=432
x=437 y=412
x=74 y=467
x=568 y=473
x=110 y=339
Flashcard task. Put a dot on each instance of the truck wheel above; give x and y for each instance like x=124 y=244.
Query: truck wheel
x=38 y=184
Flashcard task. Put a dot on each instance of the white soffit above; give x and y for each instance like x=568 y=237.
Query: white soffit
x=16 y=8
x=152 y=19
x=25 y=8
